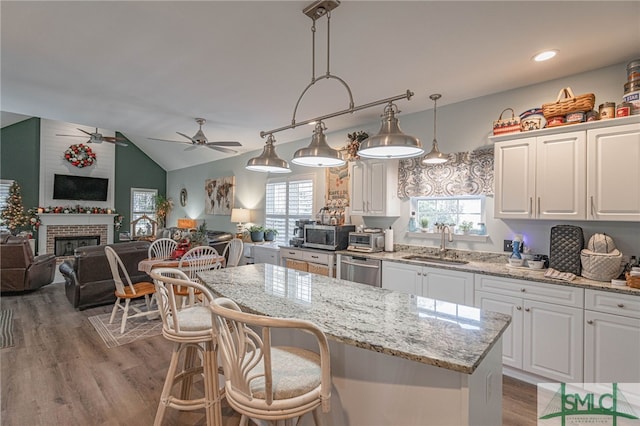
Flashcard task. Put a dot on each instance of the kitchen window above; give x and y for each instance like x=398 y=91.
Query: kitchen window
x=143 y=202
x=287 y=200
x=466 y=213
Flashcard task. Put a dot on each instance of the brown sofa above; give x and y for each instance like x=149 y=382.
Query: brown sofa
x=20 y=270
x=88 y=279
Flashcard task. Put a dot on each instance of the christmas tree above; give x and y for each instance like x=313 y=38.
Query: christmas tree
x=12 y=215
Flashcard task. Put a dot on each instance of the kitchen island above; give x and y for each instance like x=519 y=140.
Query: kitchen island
x=395 y=358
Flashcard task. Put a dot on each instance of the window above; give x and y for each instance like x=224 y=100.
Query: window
x=143 y=201
x=451 y=210
x=5 y=185
x=287 y=200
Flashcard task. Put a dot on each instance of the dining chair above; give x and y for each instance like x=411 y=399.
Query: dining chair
x=268 y=382
x=197 y=259
x=190 y=328
x=233 y=252
x=127 y=291
x=162 y=248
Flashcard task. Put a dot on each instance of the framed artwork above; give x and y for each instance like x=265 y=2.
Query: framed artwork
x=338 y=186
x=219 y=195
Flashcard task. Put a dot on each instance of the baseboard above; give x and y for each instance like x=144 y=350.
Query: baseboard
x=525 y=376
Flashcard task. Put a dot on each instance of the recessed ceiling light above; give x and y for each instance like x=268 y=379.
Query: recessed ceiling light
x=545 y=56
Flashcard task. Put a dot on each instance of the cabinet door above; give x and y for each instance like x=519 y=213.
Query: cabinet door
x=450 y=286
x=553 y=341
x=358 y=188
x=266 y=255
x=402 y=278
x=376 y=193
x=512 y=337
x=613 y=173
x=515 y=178
x=561 y=164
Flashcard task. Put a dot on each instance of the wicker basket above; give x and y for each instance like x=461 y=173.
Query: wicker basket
x=633 y=282
x=569 y=104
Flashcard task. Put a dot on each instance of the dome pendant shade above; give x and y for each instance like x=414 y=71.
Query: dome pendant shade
x=390 y=142
x=435 y=156
x=318 y=153
x=268 y=161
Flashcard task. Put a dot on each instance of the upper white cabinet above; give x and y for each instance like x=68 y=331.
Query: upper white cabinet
x=541 y=177
x=590 y=172
x=613 y=162
x=374 y=188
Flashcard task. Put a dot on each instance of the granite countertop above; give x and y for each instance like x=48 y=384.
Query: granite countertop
x=442 y=334
x=489 y=264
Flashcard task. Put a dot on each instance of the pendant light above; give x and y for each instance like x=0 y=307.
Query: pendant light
x=435 y=156
x=390 y=142
x=268 y=161
x=318 y=153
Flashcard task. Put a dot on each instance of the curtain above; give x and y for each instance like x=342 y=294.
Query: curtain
x=466 y=173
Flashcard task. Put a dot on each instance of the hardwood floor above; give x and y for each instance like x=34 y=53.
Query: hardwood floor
x=61 y=373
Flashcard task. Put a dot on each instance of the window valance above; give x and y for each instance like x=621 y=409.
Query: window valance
x=466 y=173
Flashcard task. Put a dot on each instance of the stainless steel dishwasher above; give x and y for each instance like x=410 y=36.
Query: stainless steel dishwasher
x=361 y=270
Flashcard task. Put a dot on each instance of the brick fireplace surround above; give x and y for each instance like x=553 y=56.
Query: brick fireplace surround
x=73 y=225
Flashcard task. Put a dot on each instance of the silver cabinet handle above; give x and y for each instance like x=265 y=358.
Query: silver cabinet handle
x=527 y=309
x=344 y=262
x=538 y=206
x=523 y=290
x=519 y=308
x=530 y=206
x=591 y=205
x=313 y=256
x=620 y=305
x=590 y=322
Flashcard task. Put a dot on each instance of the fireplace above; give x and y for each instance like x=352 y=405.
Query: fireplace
x=65 y=246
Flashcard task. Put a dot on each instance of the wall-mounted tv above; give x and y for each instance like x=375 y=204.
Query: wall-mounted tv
x=67 y=187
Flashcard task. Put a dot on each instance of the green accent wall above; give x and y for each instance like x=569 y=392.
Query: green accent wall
x=20 y=158
x=134 y=169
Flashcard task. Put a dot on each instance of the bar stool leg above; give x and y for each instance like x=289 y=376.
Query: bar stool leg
x=168 y=384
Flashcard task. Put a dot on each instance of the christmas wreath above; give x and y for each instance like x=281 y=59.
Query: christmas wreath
x=80 y=155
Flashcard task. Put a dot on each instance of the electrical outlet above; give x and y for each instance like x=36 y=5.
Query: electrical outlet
x=508 y=245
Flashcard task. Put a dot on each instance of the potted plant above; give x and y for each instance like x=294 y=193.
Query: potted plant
x=270 y=234
x=424 y=223
x=256 y=232
x=465 y=226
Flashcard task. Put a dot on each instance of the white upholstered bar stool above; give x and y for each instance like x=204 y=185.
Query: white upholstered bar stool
x=269 y=382
x=191 y=329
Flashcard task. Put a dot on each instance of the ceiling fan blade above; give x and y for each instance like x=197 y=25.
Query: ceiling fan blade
x=84 y=131
x=191 y=147
x=225 y=143
x=72 y=136
x=112 y=138
x=119 y=143
x=188 y=137
x=221 y=149
x=167 y=140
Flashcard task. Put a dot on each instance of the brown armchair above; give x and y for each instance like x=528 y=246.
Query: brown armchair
x=19 y=269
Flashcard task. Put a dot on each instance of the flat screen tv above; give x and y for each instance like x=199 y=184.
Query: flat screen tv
x=67 y=187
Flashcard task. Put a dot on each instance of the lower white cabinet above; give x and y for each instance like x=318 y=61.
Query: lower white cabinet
x=315 y=261
x=266 y=254
x=435 y=283
x=611 y=337
x=545 y=336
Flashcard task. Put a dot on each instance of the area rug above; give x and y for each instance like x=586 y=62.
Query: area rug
x=136 y=329
x=6 y=328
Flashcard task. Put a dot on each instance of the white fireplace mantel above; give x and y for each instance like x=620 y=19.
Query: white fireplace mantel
x=49 y=219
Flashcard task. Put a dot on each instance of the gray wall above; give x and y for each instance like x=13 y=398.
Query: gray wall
x=462 y=126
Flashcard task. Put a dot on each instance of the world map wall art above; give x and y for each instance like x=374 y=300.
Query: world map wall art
x=219 y=195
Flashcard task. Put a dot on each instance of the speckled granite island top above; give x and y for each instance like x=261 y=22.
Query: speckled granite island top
x=428 y=331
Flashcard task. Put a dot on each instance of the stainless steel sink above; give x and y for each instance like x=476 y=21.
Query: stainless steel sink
x=431 y=259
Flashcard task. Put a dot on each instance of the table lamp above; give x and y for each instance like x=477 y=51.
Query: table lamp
x=240 y=216
x=186 y=223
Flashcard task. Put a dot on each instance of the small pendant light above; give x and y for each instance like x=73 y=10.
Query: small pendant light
x=268 y=161
x=390 y=142
x=435 y=156
x=318 y=153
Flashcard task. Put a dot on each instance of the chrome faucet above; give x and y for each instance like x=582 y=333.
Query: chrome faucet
x=442 y=228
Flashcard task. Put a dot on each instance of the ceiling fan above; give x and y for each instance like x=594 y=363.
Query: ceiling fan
x=199 y=139
x=96 y=137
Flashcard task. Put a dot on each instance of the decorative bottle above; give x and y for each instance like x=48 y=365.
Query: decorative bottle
x=413 y=223
x=516 y=243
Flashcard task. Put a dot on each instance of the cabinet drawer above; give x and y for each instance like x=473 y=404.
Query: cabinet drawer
x=531 y=290
x=323 y=258
x=297 y=264
x=613 y=303
x=291 y=254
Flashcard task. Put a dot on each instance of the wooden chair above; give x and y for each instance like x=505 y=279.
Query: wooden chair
x=198 y=259
x=162 y=248
x=268 y=382
x=127 y=290
x=233 y=252
x=190 y=328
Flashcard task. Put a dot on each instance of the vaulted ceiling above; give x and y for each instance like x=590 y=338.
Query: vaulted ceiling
x=148 y=68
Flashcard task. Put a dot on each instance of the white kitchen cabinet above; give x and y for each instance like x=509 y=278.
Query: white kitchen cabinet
x=435 y=283
x=266 y=254
x=541 y=177
x=316 y=261
x=611 y=337
x=545 y=337
x=613 y=164
x=374 y=188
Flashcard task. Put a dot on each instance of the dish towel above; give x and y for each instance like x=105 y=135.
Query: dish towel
x=554 y=273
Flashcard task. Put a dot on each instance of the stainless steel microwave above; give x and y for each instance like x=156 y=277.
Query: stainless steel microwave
x=327 y=237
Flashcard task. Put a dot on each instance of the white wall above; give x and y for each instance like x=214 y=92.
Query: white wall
x=462 y=126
